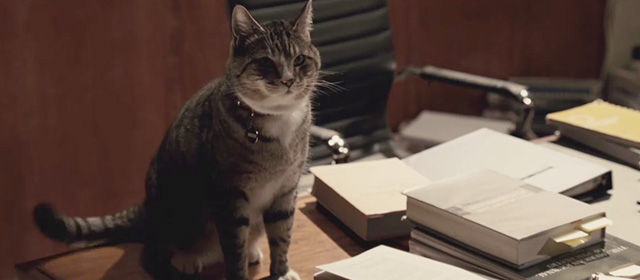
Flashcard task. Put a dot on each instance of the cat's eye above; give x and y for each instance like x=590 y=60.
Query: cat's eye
x=264 y=62
x=299 y=60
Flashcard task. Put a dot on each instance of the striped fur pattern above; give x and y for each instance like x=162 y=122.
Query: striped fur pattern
x=120 y=227
x=211 y=193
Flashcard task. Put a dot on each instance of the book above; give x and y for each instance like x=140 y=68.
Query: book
x=513 y=221
x=613 y=256
x=624 y=154
x=519 y=159
x=367 y=196
x=601 y=119
x=383 y=263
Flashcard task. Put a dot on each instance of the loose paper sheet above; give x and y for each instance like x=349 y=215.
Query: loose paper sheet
x=384 y=263
x=627 y=271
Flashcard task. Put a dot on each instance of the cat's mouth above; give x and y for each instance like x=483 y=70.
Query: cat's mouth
x=284 y=92
x=291 y=91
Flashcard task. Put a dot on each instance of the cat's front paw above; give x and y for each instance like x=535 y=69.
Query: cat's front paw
x=255 y=254
x=291 y=275
x=187 y=263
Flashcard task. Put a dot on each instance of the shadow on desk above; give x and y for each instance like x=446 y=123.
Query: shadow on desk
x=317 y=239
x=342 y=235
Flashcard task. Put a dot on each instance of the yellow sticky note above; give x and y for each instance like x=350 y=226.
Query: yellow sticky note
x=576 y=242
x=572 y=235
x=596 y=224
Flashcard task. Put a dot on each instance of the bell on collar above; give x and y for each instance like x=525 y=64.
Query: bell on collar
x=252 y=135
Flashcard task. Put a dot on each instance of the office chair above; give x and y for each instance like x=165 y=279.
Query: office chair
x=355 y=42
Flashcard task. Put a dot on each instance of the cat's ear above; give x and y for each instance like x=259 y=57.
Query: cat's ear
x=243 y=24
x=303 y=23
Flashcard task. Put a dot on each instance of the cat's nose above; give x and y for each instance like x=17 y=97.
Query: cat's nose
x=287 y=82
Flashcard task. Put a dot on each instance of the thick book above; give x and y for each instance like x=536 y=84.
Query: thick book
x=513 y=157
x=601 y=119
x=367 y=196
x=505 y=217
x=613 y=256
x=383 y=263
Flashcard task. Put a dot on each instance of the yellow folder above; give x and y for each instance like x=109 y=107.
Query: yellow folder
x=616 y=123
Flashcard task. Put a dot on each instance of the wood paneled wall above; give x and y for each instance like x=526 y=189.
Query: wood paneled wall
x=87 y=88
x=496 y=38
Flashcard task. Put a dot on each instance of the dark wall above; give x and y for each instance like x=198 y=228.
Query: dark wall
x=87 y=88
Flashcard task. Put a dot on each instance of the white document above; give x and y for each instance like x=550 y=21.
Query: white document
x=384 y=263
x=508 y=155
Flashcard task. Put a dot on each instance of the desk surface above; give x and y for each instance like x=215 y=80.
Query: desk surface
x=317 y=239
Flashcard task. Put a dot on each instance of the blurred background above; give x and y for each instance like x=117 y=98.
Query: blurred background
x=88 y=88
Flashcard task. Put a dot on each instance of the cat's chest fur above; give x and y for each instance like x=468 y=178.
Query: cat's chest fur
x=284 y=127
x=281 y=161
x=262 y=193
x=274 y=166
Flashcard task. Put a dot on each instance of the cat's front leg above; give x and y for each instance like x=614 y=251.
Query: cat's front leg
x=233 y=231
x=278 y=221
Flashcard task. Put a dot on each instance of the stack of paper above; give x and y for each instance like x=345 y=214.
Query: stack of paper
x=613 y=257
x=512 y=221
x=608 y=128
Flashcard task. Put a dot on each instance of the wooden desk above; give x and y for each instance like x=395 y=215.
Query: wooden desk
x=317 y=239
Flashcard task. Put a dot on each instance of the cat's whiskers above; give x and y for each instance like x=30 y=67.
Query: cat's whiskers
x=324 y=73
x=326 y=87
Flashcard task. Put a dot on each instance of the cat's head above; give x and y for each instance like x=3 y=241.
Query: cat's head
x=273 y=66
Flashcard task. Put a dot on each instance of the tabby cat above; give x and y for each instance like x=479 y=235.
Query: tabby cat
x=227 y=168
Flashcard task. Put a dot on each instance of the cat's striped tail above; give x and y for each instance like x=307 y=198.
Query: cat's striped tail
x=124 y=226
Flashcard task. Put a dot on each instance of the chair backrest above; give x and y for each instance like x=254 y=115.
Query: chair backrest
x=355 y=42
